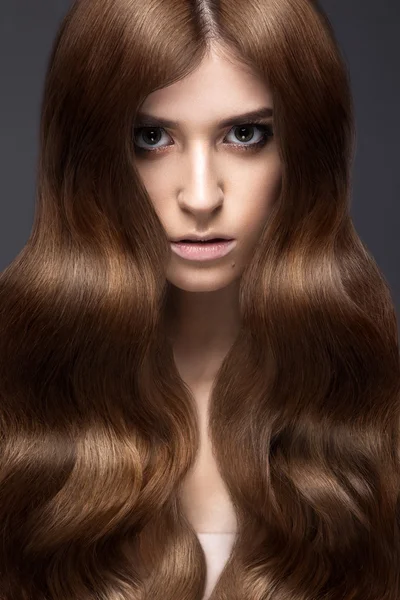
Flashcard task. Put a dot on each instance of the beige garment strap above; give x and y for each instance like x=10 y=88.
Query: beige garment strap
x=217 y=548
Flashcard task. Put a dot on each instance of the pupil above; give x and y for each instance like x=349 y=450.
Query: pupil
x=152 y=134
x=243 y=135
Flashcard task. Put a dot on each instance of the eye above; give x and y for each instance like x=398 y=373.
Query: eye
x=242 y=135
x=152 y=135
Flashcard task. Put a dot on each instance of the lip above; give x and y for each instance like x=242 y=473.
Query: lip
x=197 y=251
x=201 y=238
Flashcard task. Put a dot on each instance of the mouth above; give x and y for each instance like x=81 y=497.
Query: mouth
x=211 y=241
x=203 y=251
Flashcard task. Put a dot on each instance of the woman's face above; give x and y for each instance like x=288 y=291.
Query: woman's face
x=208 y=178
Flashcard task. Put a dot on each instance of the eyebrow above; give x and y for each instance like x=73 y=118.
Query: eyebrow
x=261 y=113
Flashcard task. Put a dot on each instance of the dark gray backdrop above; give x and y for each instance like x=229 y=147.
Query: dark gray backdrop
x=368 y=33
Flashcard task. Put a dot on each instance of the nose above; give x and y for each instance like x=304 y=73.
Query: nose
x=201 y=192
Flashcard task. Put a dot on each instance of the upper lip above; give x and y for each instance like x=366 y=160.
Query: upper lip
x=201 y=238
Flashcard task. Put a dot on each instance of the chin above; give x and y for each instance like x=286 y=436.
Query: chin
x=202 y=280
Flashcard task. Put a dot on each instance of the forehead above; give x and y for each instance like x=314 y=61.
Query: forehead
x=219 y=87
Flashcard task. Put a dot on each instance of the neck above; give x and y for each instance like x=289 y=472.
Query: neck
x=202 y=328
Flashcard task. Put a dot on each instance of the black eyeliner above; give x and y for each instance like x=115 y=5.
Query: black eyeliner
x=265 y=127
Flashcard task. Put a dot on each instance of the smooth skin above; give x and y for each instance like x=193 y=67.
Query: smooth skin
x=202 y=180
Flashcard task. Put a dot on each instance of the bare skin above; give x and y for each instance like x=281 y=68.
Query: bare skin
x=198 y=350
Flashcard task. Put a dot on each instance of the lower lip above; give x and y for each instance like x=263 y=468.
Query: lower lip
x=200 y=251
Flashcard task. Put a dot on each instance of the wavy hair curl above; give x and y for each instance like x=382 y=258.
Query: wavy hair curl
x=98 y=430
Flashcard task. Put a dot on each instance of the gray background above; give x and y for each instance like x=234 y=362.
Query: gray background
x=368 y=33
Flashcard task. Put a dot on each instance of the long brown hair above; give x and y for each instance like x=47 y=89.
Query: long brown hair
x=97 y=428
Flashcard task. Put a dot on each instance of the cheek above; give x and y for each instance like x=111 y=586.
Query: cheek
x=268 y=175
x=146 y=175
x=155 y=186
x=257 y=193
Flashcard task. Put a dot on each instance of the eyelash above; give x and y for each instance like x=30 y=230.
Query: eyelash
x=265 y=128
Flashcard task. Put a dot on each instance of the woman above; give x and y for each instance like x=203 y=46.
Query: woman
x=194 y=420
